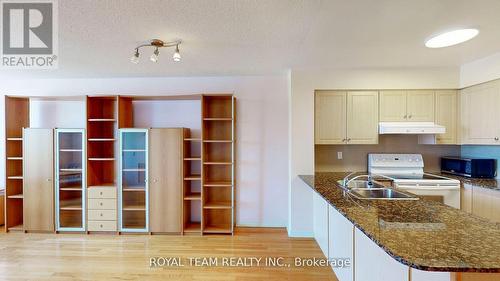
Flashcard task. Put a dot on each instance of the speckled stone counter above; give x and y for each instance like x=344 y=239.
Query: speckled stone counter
x=484 y=183
x=422 y=234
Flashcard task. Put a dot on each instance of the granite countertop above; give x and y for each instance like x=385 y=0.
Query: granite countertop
x=422 y=234
x=485 y=183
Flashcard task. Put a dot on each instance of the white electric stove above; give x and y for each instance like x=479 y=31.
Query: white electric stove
x=406 y=171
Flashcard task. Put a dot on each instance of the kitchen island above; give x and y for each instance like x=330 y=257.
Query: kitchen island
x=401 y=240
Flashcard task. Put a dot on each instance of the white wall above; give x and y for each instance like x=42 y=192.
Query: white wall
x=479 y=71
x=262 y=129
x=303 y=85
x=58 y=114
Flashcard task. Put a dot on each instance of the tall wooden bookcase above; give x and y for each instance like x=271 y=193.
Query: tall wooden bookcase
x=192 y=187
x=218 y=158
x=16 y=118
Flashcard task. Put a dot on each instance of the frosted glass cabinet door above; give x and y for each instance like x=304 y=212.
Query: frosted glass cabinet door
x=133 y=180
x=70 y=179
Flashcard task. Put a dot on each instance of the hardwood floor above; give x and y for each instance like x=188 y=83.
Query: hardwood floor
x=127 y=257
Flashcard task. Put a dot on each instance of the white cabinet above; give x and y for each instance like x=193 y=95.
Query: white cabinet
x=346 y=117
x=330 y=117
x=466 y=198
x=480 y=114
x=362 y=117
x=373 y=264
x=407 y=106
x=341 y=242
x=320 y=222
x=420 y=275
x=446 y=115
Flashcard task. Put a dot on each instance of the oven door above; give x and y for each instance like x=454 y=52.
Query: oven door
x=449 y=195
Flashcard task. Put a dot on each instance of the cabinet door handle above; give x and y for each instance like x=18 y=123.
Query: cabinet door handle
x=348 y=140
x=409 y=116
x=406 y=116
x=100 y=193
x=49 y=179
x=344 y=140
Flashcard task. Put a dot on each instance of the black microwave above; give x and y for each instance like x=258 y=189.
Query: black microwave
x=469 y=167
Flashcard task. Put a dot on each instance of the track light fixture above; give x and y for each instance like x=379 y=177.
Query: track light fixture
x=157 y=43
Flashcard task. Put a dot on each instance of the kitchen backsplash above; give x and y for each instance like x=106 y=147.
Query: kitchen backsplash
x=355 y=157
x=482 y=151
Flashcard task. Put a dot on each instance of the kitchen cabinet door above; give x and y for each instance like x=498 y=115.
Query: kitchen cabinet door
x=362 y=117
x=372 y=263
x=446 y=115
x=340 y=243
x=392 y=106
x=486 y=203
x=38 y=188
x=320 y=223
x=480 y=114
x=330 y=117
x=420 y=106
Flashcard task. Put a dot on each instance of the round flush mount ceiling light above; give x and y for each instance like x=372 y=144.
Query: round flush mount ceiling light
x=451 y=38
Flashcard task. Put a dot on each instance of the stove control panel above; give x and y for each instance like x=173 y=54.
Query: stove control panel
x=395 y=160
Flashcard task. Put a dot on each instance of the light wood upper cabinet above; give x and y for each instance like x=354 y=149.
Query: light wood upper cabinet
x=362 y=117
x=480 y=114
x=446 y=115
x=420 y=106
x=346 y=117
x=392 y=106
x=407 y=106
x=330 y=117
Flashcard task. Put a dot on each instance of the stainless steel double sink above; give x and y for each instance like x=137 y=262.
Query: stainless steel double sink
x=371 y=190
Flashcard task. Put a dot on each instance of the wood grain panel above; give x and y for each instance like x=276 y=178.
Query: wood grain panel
x=38 y=188
x=330 y=117
x=165 y=179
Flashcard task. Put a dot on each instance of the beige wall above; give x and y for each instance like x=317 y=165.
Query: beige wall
x=354 y=157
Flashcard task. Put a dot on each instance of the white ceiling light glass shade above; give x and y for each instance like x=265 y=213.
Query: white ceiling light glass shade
x=135 y=58
x=177 y=55
x=154 y=56
x=451 y=38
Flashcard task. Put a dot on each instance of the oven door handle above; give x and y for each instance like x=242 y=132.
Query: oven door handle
x=427 y=187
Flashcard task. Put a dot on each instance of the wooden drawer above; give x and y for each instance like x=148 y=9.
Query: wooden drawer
x=103 y=215
x=101 y=226
x=102 y=192
x=102 y=204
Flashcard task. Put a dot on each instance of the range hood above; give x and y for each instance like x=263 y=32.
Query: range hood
x=413 y=128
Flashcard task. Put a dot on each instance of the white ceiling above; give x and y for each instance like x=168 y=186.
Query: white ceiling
x=243 y=37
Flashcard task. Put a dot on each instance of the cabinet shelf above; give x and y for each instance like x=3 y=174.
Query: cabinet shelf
x=15 y=177
x=217 y=183
x=192 y=177
x=192 y=227
x=76 y=188
x=217 y=205
x=217 y=229
x=69 y=150
x=103 y=185
x=14 y=139
x=193 y=196
x=102 y=139
x=101 y=159
x=133 y=170
x=218 y=163
x=217 y=119
x=14 y=158
x=217 y=141
x=134 y=208
x=192 y=139
x=101 y=120
x=134 y=150
x=192 y=159
x=63 y=173
x=72 y=204
x=134 y=189
x=16 y=196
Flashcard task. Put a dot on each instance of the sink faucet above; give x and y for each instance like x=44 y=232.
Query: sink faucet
x=346 y=180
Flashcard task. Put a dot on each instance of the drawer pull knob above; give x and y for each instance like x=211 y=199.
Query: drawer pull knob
x=100 y=203
x=101 y=214
x=101 y=225
x=101 y=192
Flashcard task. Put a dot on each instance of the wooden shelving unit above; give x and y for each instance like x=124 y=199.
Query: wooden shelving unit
x=101 y=136
x=218 y=164
x=70 y=179
x=192 y=191
x=16 y=118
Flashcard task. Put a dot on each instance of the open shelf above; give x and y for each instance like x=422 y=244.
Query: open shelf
x=192 y=139
x=193 y=196
x=15 y=177
x=102 y=139
x=101 y=159
x=134 y=189
x=79 y=188
x=218 y=119
x=70 y=150
x=192 y=177
x=217 y=205
x=217 y=183
x=192 y=227
x=103 y=185
x=192 y=159
x=134 y=208
x=217 y=229
x=101 y=120
x=15 y=139
x=16 y=196
x=14 y=158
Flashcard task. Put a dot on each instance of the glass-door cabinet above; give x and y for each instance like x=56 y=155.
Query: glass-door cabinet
x=134 y=192
x=70 y=185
